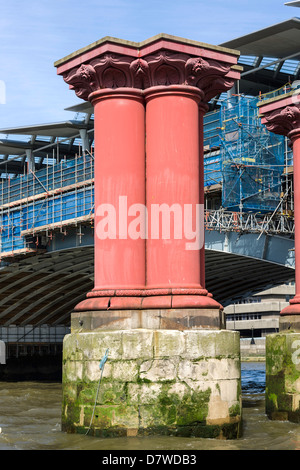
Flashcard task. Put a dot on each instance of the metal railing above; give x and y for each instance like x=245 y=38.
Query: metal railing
x=273 y=94
x=277 y=224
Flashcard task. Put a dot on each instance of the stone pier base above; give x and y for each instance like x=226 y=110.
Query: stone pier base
x=180 y=383
x=283 y=376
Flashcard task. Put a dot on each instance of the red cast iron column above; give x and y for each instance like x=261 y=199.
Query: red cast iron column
x=175 y=105
x=282 y=116
x=172 y=180
x=119 y=117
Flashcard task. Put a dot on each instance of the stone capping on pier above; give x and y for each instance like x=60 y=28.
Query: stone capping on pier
x=138 y=48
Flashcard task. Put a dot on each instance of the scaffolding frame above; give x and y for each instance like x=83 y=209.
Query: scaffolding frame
x=43 y=201
x=248 y=161
x=247 y=222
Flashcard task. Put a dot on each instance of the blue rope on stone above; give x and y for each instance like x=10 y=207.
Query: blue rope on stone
x=103 y=360
x=101 y=367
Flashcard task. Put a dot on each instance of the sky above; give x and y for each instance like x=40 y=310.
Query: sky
x=36 y=33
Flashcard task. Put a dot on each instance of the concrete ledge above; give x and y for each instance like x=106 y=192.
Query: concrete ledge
x=173 y=319
x=185 y=383
x=288 y=323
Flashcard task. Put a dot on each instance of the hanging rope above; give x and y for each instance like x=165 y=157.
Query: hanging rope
x=101 y=367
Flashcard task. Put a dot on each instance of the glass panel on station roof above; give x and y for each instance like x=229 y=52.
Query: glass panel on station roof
x=290 y=66
x=269 y=60
x=247 y=59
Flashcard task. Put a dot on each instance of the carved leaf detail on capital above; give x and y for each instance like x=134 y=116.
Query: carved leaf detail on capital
x=113 y=71
x=163 y=69
x=293 y=114
x=207 y=75
x=113 y=78
x=217 y=86
x=166 y=69
x=283 y=121
x=140 y=73
x=194 y=69
x=105 y=72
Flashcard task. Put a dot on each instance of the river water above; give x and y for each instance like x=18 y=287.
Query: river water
x=30 y=420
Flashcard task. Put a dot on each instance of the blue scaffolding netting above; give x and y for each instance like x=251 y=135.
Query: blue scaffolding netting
x=48 y=197
x=242 y=156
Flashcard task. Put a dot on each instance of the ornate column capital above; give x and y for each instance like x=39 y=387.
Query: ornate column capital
x=281 y=115
x=158 y=63
x=284 y=121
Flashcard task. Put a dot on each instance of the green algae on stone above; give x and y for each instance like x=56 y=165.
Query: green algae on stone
x=150 y=391
x=282 y=376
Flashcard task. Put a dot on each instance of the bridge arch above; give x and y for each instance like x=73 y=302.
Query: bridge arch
x=44 y=288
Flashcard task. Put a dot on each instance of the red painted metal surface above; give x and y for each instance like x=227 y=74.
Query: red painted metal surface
x=282 y=116
x=172 y=168
x=119 y=171
x=149 y=99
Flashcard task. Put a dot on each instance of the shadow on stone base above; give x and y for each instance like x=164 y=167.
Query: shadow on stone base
x=202 y=430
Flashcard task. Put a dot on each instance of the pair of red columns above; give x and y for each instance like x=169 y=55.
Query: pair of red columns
x=149 y=100
x=146 y=153
x=148 y=161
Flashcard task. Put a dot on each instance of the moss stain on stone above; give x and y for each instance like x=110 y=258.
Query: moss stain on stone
x=235 y=410
x=282 y=374
x=193 y=407
x=177 y=409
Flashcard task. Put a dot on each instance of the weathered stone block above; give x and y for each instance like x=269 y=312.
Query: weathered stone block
x=283 y=376
x=193 y=370
x=108 y=394
x=146 y=393
x=159 y=370
x=275 y=350
x=99 y=343
x=218 y=411
x=230 y=390
x=153 y=382
x=200 y=345
x=227 y=344
x=137 y=344
x=72 y=371
x=92 y=371
x=125 y=371
x=194 y=407
x=126 y=416
x=158 y=418
x=168 y=343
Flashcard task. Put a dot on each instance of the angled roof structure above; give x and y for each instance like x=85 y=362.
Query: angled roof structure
x=64 y=130
x=270 y=57
x=293 y=4
x=280 y=40
x=43 y=139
